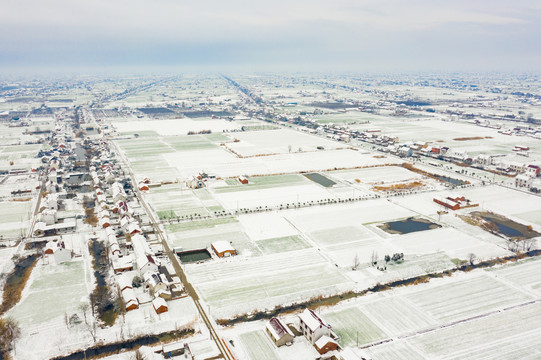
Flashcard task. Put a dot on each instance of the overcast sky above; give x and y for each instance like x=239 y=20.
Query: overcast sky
x=292 y=35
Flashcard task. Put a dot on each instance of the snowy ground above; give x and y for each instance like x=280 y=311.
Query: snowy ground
x=176 y=126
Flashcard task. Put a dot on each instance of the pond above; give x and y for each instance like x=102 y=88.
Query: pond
x=194 y=255
x=408 y=226
x=504 y=229
x=320 y=179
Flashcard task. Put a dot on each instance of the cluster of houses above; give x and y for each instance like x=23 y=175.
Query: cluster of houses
x=133 y=249
x=311 y=325
x=198 y=181
x=52 y=221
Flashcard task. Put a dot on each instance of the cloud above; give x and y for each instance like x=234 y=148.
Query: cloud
x=236 y=31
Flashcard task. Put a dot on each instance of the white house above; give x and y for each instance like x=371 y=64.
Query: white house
x=313 y=326
x=61 y=253
x=523 y=180
x=48 y=216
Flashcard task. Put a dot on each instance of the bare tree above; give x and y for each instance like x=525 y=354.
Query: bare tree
x=374 y=258
x=92 y=329
x=471 y=258
x=66 y=320
x=84 y=308
x=355 y=262
x=511 y=245
x=10 y=332
x=138 y=355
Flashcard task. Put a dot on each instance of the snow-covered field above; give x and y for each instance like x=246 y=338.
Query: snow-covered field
x=176 y=126
x=14 y=217
x=280 y=141
x=234 y=287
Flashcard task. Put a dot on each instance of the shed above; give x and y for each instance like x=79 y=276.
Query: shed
x=159 y=305
x=223 y=248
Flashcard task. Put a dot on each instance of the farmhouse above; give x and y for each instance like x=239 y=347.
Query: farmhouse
x=313 y=327
x=243 y=180
x=279 y=332
x=325 y=344
x=223 y=248
x=159 y=305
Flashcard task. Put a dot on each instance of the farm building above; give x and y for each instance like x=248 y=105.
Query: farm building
x=243 y=180
x=223 y=248
x=143 y=187
x=159 y=305
x=454 y=203
x=313 y=326
x=279 y=332
x=325 y=344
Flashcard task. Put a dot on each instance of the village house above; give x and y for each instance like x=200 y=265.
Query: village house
x=122 y=264
x=279 y=333
x=124 y=282
x=523 y=180
x=130 y=300
x=159 y=305
x=533 y=170
x=155 y=281
x=58 y=249
x=313 y=326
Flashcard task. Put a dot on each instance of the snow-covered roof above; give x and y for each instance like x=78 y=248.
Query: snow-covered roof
x=158 y=302
x=124 y=282
x=128 y=295
x=278 y=328
x=312 y=320
x=324 y=340
x=222 y=246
